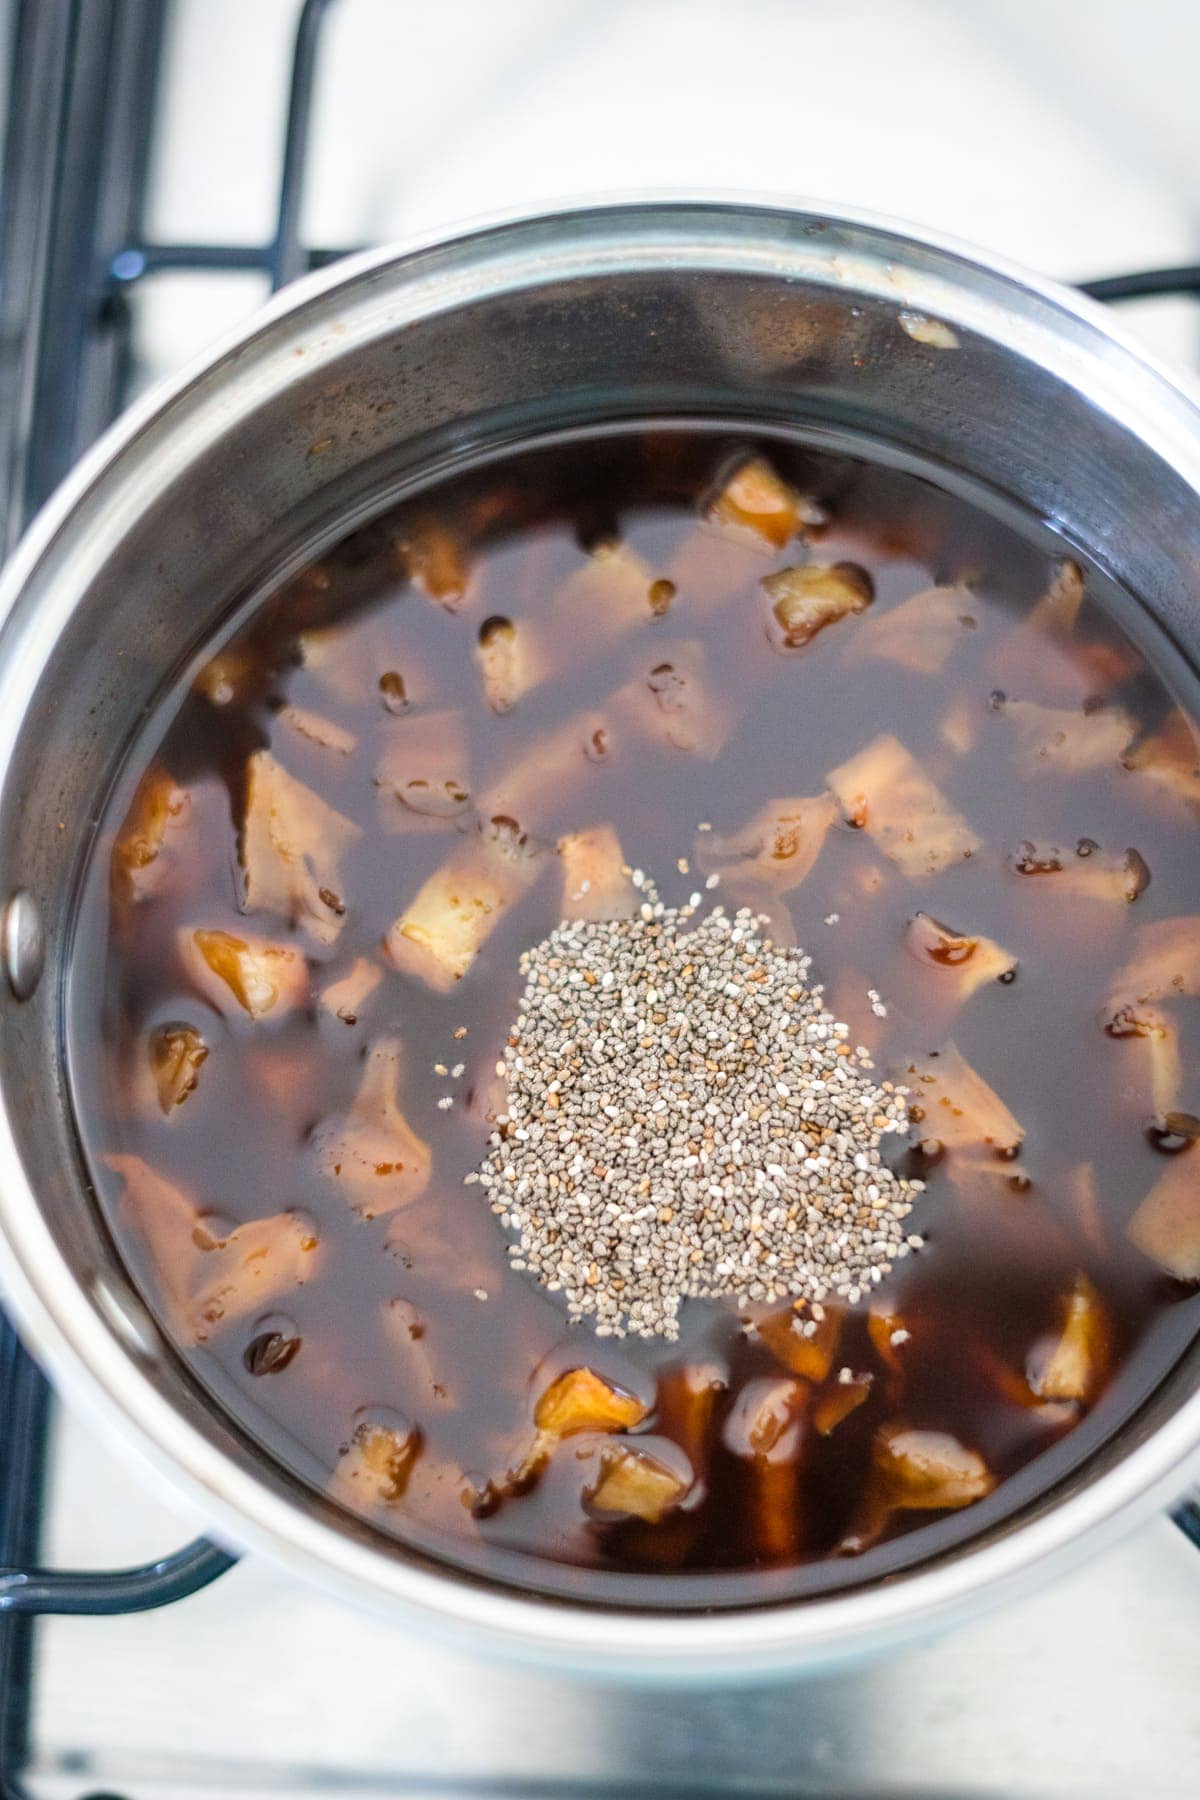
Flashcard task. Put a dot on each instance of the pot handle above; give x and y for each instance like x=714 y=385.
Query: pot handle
x=101 y=1593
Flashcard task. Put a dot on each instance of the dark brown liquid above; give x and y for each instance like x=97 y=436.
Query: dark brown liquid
x=1005 y=1242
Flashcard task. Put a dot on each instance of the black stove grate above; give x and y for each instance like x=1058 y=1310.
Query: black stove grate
x=72 y=248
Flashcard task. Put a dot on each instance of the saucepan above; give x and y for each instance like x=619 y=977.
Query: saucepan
x=853 y=330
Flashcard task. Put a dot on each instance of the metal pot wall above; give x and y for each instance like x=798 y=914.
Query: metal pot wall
x=368 y=377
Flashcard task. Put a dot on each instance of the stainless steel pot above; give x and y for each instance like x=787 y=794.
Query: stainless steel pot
x=357 y=381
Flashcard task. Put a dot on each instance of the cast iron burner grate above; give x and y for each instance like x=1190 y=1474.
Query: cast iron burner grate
x=72 y=249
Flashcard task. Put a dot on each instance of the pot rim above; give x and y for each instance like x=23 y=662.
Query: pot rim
x=96 y=1362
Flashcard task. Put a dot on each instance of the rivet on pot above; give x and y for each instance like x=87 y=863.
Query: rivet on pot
x=22 y=944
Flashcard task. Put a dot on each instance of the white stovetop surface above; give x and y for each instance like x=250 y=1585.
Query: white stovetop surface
x=1060 y=132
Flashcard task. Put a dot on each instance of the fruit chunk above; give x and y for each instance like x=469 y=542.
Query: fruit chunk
x=596 y=883
x=767 y=1427
x=839 y=1398
x=806 y=1344
x=805 y=599
x=210 y=1275
x=176 y=1054
x=957 y=1105
x=920 y=634
x=141 y=853
x=673 y=702
x=434 y=560
x=636 y=1485
x=1161 y=1039
x=347 y=996
x=1073 y=1366
x=1171 y=758
x=543 y=782
x=577 y=1401
x=1166 y=1226
x=1057 y=611
x=319 y=730
x=261 y=977
x=608 y=596
x=373 y=1152
x=422 y=775
x=1087 y=872
x=1069 y=740
x=777 y=847
x=756 y=499
x=968 y=962
x=442 y=930
x=1166 y=965
x=293 y=843
x=507 y=662
x=884 y=790
x=374 y=1468
x=929 y=1470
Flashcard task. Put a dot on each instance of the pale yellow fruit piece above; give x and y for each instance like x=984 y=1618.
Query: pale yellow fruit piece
x=581 y=1400
x=1160 y=1038
x=959 y=1106
x=211 y=1276
x=548 y=776
x=684 y=1403
x=929 y=1470
x=1067 y=740
x=1165 y=965
x=767 y=1427
x=805 y=599
x=1057 y=610
x=434 y=559
x=176 y=1053
x=755 y=498
x=777 y=848
x=839 y=1398
x=959 y=728
x=922 y=633
x=806 y=1343
x=422 y=774
x=141 y=853
x=293 y=844
x=1171 y=758
x=963 y=962
x=1166 y=1226
x=259 y=976
x=442 y=930
x=509 y=662
x=885 y=791
x=602 y=600
x=373 y=1153
x=375 y=1468
x=595 y=879
x=1117 y=878
x=1073 y=1365
x=315 y=728
x=636 y=1485
x=347 y=996
x=675 y=701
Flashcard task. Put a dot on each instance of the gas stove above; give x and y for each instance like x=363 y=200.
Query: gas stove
x=142 y=141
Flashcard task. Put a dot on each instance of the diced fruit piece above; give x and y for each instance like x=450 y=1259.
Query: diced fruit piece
x=1171 y=758
x=318 y=730
x=373 y=1153
x=596 y=884
x=959 y=729
x=1087 y=872
x=507 y=661
x=1166 y=1226
x=684 y=1404
x=141 y=854
x=293 y=843
x=636 y=1485
x=442 y=930
x=1057 y=611
x=888 y=1333
x=755 y=498
x=422 y=775
x=608 y=596
x=1166 y=965
x=1069 y=740
x=805 y=599
x=543 y=782
x=374 y=1469
x=176 y=1053
x=261 y=977
x=581 y=1400
x=778 y=847
x=885 y=791
x=673 y=701
x=806 y=1340
x=929 y=1470
x=347 y=996
x=958 y=1106
x=1158 y=1034
x=434 y=560
x=969 y=962
x=767 y=1427
x=1073 y=1366
x=921 y=633
x=839 y=1398
x=210 y=1275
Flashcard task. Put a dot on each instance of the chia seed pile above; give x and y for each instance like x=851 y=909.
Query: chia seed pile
x=686 y=1118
